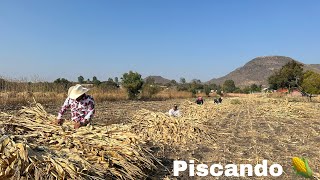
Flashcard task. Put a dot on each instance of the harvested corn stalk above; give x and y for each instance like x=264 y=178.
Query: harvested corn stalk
x=31 y=147
x=161 y=128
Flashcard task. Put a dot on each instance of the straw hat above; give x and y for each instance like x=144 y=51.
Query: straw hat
x=76 y=91
x=70 y=89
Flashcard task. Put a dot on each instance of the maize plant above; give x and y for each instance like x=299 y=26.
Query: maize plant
x=301 y=167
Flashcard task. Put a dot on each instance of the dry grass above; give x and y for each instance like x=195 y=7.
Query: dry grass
x=110 y=95
x=15 y=98
x=172 y=94
x=24 y=98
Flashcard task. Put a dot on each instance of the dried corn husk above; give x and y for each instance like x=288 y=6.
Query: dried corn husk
x=31 y=147
x=174 y=131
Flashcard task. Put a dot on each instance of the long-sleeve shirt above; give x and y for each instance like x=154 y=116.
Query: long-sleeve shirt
x=199 y=101
x=81 y=111
x=174 y=113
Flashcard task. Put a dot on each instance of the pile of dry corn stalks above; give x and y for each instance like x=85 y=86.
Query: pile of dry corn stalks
x=31 y=147
x=174 y=131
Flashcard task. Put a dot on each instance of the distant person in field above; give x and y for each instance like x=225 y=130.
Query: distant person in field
x=199 y=100
x=174 y=111
x=218 y=101
x=81 y=106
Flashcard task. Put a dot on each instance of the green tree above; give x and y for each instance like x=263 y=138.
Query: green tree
x=207 y=89
x=213 y=86
x=183 y=80
x=311 y=82
x=2 y=84
x=62 y=81
x=290 y=75
x=133 y=82
x=81 y=79
x=183 y=87
x=247 y=90
x=195 y=86
x=219 y=90
x=110 y=80
x=116 y=80
x=95 y=81
x=238 y=90
x=229 y=86
x=173 y=82
x=196 y=81
x=254 y=88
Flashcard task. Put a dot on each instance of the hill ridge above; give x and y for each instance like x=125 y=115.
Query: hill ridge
x=257 y=70
x=159 y=79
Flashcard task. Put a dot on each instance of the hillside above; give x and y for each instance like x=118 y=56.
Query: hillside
x=313 y=67
x=159 y=79
x=258 y=70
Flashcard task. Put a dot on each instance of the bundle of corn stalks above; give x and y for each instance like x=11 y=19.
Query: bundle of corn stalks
x=31 y=147
x=174 y=131
x=202 y=113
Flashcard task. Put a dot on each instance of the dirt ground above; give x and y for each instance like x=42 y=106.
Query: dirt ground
x=246 y=133
x=116 y=112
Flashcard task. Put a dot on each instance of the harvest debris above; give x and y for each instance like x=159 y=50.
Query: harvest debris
x=31 y=147
x=240 y=130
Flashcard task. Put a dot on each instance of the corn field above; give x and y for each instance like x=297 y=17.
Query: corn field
x=31 y=147
x=242 y=130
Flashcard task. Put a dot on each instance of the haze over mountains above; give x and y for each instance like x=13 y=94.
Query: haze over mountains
x=255 y=71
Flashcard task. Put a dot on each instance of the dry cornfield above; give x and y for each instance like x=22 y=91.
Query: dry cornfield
x=242 y=130
x=32 y=148
x=161 y=129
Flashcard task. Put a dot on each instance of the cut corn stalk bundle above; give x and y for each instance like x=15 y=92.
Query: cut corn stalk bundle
x=201 y=113
x=31 y=147
x=191 y=127
x=174 y=131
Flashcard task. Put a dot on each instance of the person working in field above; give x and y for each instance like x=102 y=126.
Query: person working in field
x=218 y=101
x=81 y=105
x=174 y=111
x=199 y=100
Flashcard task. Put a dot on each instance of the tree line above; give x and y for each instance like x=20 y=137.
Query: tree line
x=292 y=76
x=289 y=76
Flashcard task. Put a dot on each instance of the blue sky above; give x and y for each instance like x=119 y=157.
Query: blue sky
x=172 y=38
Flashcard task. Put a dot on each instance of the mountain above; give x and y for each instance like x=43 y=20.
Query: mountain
x=258 y=70
x=159 y=79
x=313 y=67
